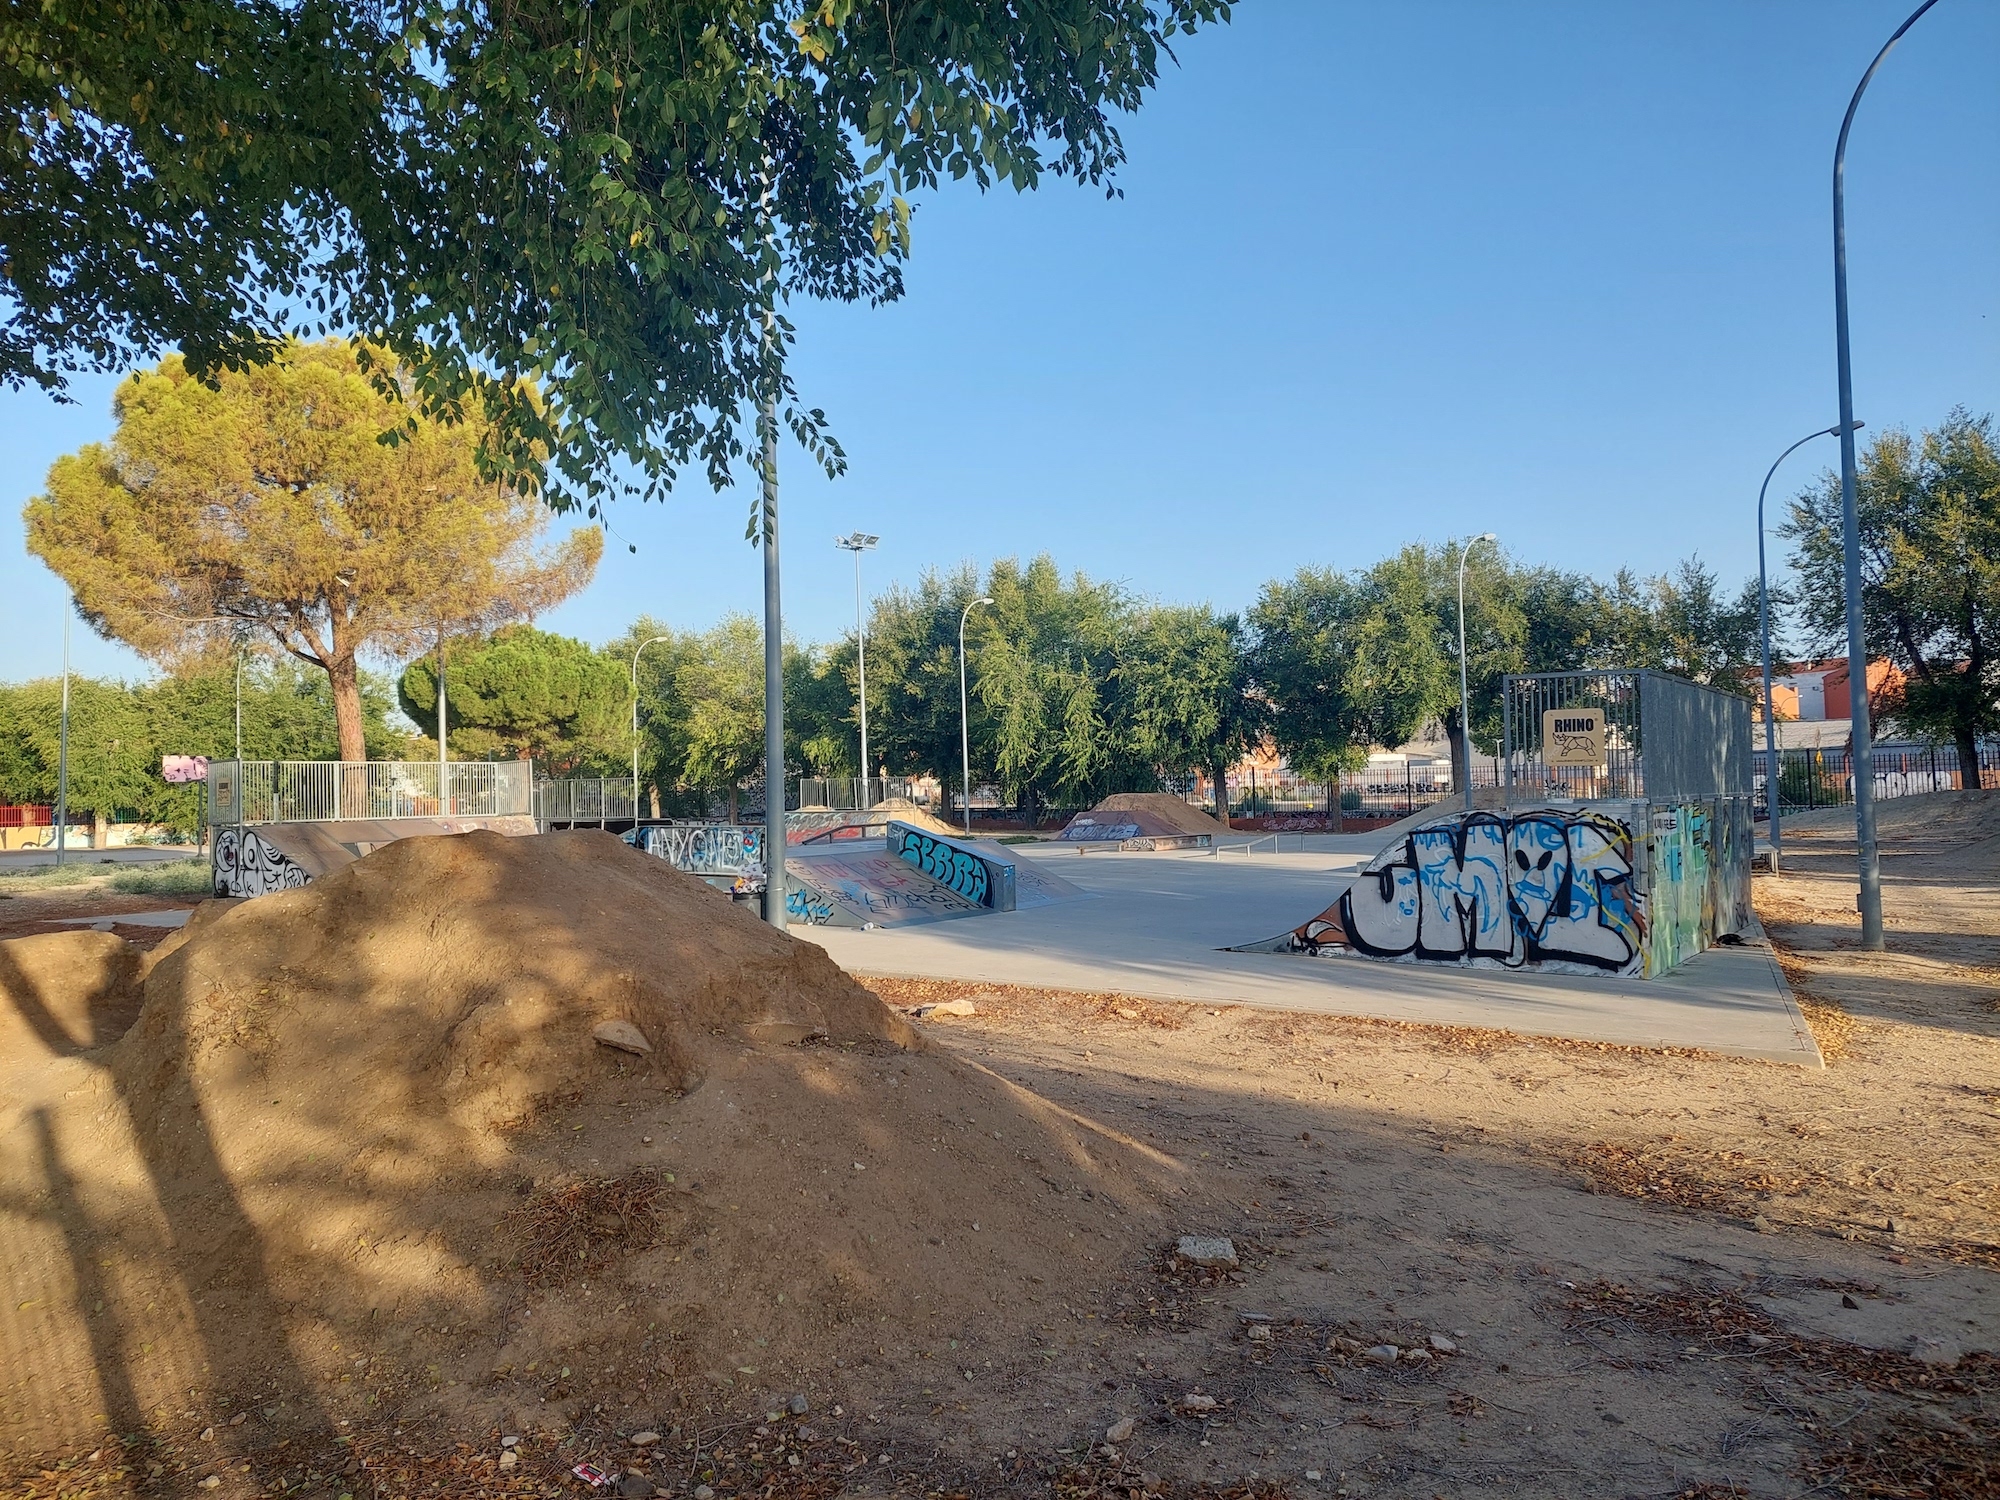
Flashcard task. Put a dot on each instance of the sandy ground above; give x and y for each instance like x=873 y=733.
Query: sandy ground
x=1629 y=1273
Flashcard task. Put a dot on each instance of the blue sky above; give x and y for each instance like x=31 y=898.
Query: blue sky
x=1380 y=274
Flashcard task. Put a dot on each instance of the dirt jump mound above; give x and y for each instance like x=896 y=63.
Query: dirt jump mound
x=504 y=1128
x=1128 y=816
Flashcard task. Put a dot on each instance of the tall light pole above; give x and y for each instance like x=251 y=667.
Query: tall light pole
x=655 y=640
x=859 y=542
x=1861 y=757
x=1764 y=624
x=62 y=742
x=444 y=756
x=1464 y=696
x=964 y=713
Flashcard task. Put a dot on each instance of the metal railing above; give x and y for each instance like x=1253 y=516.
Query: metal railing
x=322 y=791
x=843 y=792
x=1810 y=778
x=585 y=799
x=1665 y=738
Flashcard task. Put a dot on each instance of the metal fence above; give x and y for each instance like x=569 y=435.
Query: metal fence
x=1825 y=778
x=1666 y=739
x=585 y=799
x=322 y=791
x=840 y=793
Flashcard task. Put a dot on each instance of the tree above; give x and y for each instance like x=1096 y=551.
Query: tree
x=1300 y=659
x=524 y=694
x=268 y=504
x=611 y=200
x=913 y=714
x=1929 y=513
x=120 y=731
x=1185 y=692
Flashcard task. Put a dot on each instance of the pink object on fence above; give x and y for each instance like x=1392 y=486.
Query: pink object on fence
x=184 y=767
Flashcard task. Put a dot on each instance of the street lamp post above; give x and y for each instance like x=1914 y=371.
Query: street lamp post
x=964 y=713
x=1764 y=624
x=655 y=640
x=1861 y=757
x=858 y=543
x=62 y=744
x=1465 y=696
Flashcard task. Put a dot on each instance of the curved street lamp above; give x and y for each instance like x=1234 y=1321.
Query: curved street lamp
x=653 y=641
x=1464 y=697
x=1764 y=623
x=964 y=714
x=1860 y=757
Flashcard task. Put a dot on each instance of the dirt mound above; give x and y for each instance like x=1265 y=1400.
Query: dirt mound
x=1963 y=816
x=906 y=811
x=65 y=992
x=1178 y=816
x=360 y=1153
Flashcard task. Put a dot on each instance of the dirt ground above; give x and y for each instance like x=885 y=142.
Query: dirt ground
x=1603 y=1271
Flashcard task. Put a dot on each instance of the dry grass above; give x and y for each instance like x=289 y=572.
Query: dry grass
x=580 y=1226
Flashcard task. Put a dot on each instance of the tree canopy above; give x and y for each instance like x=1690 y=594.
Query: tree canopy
x=265 y=507
x=1929 y=512
x=523 y=693
x=606 y=200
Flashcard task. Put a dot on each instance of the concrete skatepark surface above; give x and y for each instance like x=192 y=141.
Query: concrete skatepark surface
x=1158 y=921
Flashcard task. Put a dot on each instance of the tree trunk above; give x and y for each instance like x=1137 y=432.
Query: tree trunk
x=732 y=802
x=347 y=707
x=1220 y=772
x=1968 y=759
x=1461 y=757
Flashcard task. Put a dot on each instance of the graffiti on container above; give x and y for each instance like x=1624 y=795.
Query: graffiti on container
x=246 y=865
x=950 y=866
x=1541 y=887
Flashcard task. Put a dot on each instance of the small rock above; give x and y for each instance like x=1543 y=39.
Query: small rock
x=1250 y=1317
x=1260 y=1333
x=239 y=1419
x=509 y=1442
x=508 y=1458
x=1195 y=1401
x=1894 y=1226
x=623 y=1035
x=703 y=1492
x=1849 y=1303
x=1442 y=1344
x=1120 y=1431
x=1204 y=1250
x=798 y=1406
x=1762 y=1225
x=1314 y=1475
x=207 y=1433
x=946 y=1008
x=1416 y=1356
x=1382 y=1354
x=643 y=1439
x=635 y=1487
x=1756 y=1340
x=211 y=1483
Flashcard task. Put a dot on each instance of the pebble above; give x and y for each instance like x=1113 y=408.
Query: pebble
x=1757 y=1340
x=1202 y=1250
x=207 y=1433
x=509 y=1442
x=798 y=1406
x=211 y=1483
x=1195 y=1401
x=643 y=1439
x=1416 y=1356
x=1442 y=1344
x=1314 y=1475
x=1382 y=1354
x=703 y=1492
x=239 y=1419
x=1119 y=1430
x=508 y=1458
x=1260 y=1333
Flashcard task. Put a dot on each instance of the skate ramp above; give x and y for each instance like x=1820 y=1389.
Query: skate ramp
x=262 y=858
x=1143 y=820
x=912 y=876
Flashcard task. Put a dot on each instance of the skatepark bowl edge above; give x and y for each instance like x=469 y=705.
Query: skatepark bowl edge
x=1155 y=925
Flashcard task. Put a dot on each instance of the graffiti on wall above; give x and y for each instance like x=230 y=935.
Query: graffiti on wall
x=1547 y=887
x=950 y=866
x=807 y=906
x=707 y=848
x=246 y=865
x=1085 y=829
